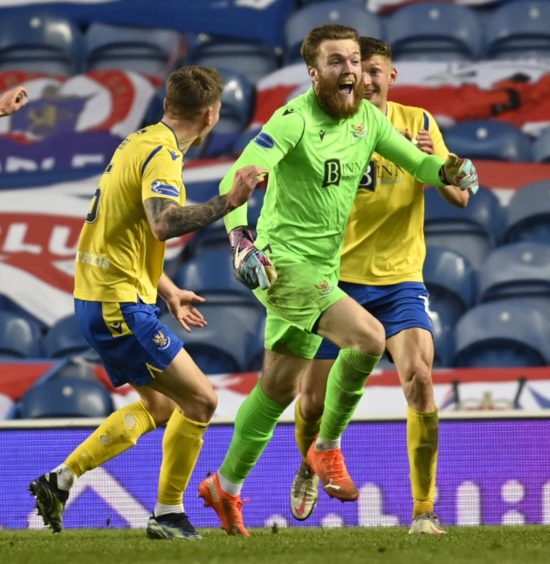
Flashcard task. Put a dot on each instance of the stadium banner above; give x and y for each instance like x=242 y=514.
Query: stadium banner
x=245 y=19
x=455 y=390
x=491 y=472
x=508 y=90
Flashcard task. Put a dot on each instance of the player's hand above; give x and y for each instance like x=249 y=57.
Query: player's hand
x=181 y=307
x=12 y=100
x=244 y=182
x=250 y=265
x=424 y=142
x=459 y=172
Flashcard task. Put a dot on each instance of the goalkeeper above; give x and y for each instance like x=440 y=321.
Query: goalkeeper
x=381 y=267
x=316 y=149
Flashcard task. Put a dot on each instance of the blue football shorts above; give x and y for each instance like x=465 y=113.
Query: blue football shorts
x=131 y=342
x=397 y=306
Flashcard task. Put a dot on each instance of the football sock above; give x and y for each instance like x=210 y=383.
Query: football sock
x=346 y=382
x=120 y=431
x=305 y=431
x=65 y=477
x=181 y=446
x=161 y=509
x=422 y=442
x=254 y=426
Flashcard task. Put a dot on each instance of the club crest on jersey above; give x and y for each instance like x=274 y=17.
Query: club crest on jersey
x=264 y=140
x=359 y=130
x=161 y=340
x=165 y=189
x=324 y=288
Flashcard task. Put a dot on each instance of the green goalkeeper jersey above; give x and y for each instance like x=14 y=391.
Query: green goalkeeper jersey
x=315 y=164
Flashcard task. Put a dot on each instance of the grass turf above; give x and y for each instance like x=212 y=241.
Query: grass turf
x=472 y=545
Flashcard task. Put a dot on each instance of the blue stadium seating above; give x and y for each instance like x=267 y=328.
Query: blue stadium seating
x=472 y=231
x=64 y=339
x=519 y=271
x=489 y=139
x=210 y=274
x=222 y=346
x=449 y=278
x=434 y=31
x=149 y=51
x=518 y=30
x=302 y=21
x=251 y=59
x=20 y=337
x=63 y=396
x=502 y=334
x=529 y=214
x=541 y=147
x=443 y=336
x=38 y=41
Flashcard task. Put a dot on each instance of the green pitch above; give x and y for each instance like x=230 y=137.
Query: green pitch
x=471 y=545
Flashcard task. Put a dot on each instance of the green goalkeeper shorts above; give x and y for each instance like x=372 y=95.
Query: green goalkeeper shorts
x=295 y=302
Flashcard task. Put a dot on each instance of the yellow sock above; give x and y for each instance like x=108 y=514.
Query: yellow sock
x=181 y=446
x=422 y=442
x=305 y=431
x=120 y=431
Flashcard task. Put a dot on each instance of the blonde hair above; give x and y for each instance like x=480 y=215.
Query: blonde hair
x=310 y=46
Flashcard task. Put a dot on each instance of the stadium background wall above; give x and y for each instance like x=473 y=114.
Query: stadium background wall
x=492 y=470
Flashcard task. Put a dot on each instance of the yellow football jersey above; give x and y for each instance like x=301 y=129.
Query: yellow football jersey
x=118 y=258
x=384 y=241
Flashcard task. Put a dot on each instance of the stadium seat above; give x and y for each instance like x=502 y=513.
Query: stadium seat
x=210 y=274
x=151 y=51
x=541 y=147
x=243 y=139
x=64 y=396
x=20 y=337
x=502 y=334
x=222 y=346
x=38 y=41
x=529 y=214
x=489 y=139
x=255 y=346
x=518 y=270
x=518 y=30
x=302 y=21
x=64 y=339
x=449 y=278
x=434 y=31
x=238 y=99
x=443 y=336
x=251 y=59
x=471 y=231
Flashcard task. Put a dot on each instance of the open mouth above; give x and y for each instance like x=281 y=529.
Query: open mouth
x=346 y=88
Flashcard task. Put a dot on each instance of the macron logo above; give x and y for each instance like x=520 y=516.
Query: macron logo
x=173 y=154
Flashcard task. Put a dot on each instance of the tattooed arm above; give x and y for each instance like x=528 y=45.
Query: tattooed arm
x=168 y=219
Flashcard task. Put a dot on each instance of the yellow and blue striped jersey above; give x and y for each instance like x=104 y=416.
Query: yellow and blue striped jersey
x=384 y=242
x=118 y=259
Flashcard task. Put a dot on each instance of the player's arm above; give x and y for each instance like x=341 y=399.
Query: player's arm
x=180 y=303
x=13 y=100
x=279 y=136
x=168 y=219
x=431 y=141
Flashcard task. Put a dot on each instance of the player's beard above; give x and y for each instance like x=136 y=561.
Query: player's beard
x=330 y=100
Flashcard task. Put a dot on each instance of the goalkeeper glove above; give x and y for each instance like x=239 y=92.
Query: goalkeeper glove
x=459 y=172
x=250 y=265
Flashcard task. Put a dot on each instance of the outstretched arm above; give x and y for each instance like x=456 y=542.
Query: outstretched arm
x=168 y=219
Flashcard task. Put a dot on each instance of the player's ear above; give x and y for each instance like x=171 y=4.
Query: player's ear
x=393 y=76
x=312 y=71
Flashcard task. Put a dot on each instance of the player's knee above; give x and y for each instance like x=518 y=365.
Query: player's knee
x=371 y=338
x=160 y=409
x=418 y=386
x=207 y=404
x=311 y=407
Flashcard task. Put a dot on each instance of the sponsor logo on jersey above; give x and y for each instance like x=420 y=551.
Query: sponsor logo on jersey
x=161 y=340
x=359 y=130
x=173 y=154
x=264 y=140
x=165 y=189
